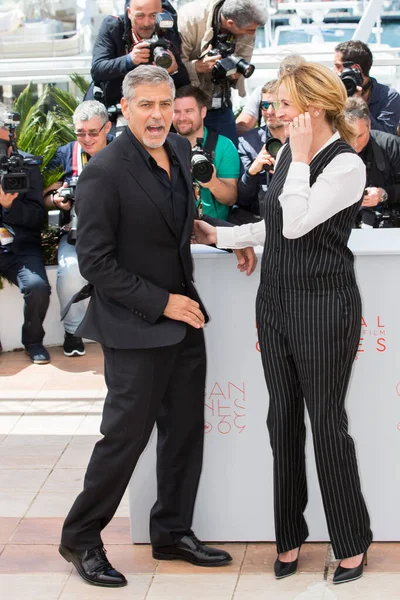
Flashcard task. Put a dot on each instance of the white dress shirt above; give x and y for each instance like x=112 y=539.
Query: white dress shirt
x=340 y=185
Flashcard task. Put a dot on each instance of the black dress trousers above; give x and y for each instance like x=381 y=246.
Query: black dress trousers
x=157 y=385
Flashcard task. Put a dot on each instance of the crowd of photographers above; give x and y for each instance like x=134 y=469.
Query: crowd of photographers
x=206 y=48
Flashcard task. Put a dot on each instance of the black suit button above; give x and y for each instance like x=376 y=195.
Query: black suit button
x=144 y=316
x=140 y=314
x=183 y=284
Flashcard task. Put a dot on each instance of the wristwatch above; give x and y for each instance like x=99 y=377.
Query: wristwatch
x=384 y=196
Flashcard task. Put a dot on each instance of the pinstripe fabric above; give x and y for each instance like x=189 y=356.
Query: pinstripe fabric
x=309 y=320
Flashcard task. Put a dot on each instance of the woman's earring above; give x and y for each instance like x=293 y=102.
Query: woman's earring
x=316 y=113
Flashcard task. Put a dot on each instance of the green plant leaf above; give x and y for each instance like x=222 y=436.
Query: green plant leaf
x=81 y=83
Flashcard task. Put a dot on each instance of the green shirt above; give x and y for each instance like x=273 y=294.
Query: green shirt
x=227 y=165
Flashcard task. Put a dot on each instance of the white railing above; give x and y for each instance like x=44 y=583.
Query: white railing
x=69 y=43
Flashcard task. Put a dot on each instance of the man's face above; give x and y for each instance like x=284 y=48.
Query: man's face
x=362 y=128
x=238 y=31
x=92 y=134
x=142 y=14
x=338 y=63
x=149 y=113
x=269 y=114
x=188 y=117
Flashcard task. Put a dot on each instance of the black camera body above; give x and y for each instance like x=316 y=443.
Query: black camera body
x=378 y=217
x=229 y=63
x=352 y=78
x=201 y=165
x=68 y=194
x=158 y=45
x=13 y=179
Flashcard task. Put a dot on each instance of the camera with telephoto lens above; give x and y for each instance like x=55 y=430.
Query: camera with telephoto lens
x=378 y=217
x=202 y=167
x=13 y=179
x=352 y=78
x=68 y=195
x=159 y=46
x=229 y=63
x=272 y=146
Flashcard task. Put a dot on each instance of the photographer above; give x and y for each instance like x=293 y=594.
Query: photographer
x=92 y=128
x=383 y=102
x=211 y=32
x=380 y=153
x=21 y=258
x=219 y=193
x=254 y=155
x=122 y=44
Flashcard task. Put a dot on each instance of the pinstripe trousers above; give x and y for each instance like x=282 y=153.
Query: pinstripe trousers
x=308 y=341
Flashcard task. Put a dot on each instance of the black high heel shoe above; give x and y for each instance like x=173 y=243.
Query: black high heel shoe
x=284 y=569
x=343 y=575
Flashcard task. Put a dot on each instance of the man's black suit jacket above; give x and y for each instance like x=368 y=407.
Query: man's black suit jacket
x=128 y=250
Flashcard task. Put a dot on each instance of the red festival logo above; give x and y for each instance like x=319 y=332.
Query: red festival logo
x=374 y=330
x=225 y=408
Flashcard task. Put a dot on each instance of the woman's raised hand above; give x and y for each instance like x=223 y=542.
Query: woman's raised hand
x=300 y=137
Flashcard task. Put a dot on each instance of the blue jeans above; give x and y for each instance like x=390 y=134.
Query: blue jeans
x=223 y=122
x=69 y=282
x=29 y=274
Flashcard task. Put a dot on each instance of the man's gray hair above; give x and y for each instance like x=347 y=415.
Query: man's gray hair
x=89 y=109
x=145 y=75
x=355 y=109
x=245 y=12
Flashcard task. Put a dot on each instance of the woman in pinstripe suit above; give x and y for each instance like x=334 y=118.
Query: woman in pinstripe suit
x=309 y=313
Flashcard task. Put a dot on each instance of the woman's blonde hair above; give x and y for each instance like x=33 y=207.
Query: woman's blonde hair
x=312 y=84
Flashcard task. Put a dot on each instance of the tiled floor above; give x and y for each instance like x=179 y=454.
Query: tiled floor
x=49 y=421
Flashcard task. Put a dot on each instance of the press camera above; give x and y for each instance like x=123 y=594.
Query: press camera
x=202 y=167
x=272 y=146
x=158 y=45
x=13 y=179
x=229 y=63
x=68 y=195
x=352 y=78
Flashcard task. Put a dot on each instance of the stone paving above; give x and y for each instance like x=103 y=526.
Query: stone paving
x=49 y=421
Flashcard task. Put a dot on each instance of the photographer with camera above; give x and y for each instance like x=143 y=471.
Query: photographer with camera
x=380 y=153
x=92 y=128
x=21 y=219
x=217 y=45
x=257 y=151
x=353 y=62
x=140 y=36
x=215 y=160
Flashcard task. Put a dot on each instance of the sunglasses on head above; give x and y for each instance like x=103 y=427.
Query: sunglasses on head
x=265 y=104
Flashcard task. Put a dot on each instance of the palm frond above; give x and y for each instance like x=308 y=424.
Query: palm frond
x=65 y=102
x=23 y=104
x=81 y=83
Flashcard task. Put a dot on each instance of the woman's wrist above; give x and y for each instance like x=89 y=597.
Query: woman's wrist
x=302 y=158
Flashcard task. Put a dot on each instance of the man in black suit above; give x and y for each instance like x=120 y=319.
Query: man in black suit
x=136 y=210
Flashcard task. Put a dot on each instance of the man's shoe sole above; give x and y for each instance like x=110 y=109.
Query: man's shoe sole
x=45 y=361
x=69 y=558
x=75 y=353
x=161 y=556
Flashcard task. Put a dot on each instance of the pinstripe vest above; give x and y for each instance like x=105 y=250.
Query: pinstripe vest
x=320 y=259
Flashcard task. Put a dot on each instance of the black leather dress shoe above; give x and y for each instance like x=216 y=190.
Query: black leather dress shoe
x=93 y=566
x=189 y=548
